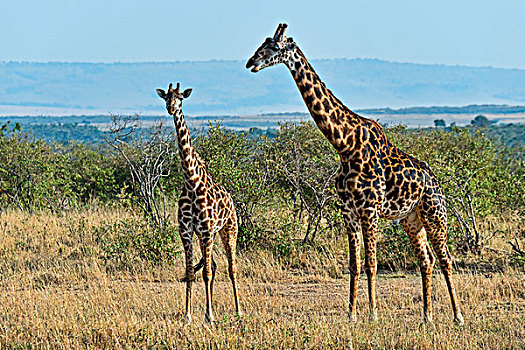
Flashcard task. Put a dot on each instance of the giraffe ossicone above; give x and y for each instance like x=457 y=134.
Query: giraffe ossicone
x=376 y=179
x=205 y=209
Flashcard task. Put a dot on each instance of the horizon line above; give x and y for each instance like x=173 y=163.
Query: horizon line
x=375 y=110
x=242 y=60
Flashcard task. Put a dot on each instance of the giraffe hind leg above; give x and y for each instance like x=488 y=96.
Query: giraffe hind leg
x=417 y=236
x=207 y=276
x=369 y=228
x=437 y=233
x=213 y=270
x=190 y=273
x=229 y=240
x=353 y=229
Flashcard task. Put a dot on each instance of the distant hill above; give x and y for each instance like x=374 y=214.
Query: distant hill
x=226 y=87
x=470 y=109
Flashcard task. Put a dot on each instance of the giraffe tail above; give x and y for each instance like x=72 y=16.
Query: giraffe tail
x=199 y=265
x=196 y=268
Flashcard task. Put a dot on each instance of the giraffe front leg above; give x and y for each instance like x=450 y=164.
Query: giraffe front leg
x=369 y=227
x=354 y=246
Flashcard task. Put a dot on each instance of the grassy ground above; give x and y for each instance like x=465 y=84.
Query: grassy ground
x=56 y=292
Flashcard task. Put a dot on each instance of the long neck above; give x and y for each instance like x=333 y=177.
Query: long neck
x=188 y=156
x=332 y=117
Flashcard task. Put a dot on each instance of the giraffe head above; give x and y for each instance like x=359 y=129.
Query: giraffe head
x=273 y=50
x=173 y=97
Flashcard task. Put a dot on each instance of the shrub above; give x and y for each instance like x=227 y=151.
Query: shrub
x=394 y=250
x=95 y=171
x=306 y=165
x=33 y=175
x=150 y=155
x=479 y=176
x=127 y=242
x=242 y=166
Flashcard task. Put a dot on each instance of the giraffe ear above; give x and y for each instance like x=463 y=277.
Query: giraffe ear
x=186 y=93
x=161 y=93
x=289 y=39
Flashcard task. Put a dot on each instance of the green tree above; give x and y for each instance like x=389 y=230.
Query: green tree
x=439 y=123
x=480 y=121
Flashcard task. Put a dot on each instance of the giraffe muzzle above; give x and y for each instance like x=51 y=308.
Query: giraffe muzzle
x=250 y=63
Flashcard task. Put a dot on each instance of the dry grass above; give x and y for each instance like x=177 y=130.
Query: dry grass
x=56 y=292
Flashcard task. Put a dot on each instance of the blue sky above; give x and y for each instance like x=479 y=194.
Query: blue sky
x=462 y=32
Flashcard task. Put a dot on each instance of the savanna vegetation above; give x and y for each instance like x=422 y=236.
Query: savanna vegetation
x=91 y=256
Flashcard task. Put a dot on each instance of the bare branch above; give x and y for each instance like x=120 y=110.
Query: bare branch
x=149 y=154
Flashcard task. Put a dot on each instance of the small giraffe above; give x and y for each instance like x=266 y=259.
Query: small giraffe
x=205 y=207
x=376 y=179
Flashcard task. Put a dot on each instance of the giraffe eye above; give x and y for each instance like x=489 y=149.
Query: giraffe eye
x=275 y=47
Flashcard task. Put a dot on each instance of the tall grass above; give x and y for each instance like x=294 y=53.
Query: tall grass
x=58 y=291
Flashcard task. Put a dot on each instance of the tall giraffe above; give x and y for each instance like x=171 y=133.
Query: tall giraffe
x=205 y=207
x=376 y=179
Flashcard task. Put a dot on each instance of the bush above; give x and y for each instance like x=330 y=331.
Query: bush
x=95 y=171
x=394 y=250
x=306 y=166
x=242 y=166
x=480 y=177
x=130 y=241
x=35 y=174
x=150 y=155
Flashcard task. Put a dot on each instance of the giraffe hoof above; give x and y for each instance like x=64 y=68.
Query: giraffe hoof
x=427 y=320
x=459 y=319
x=187 y=319
x=209 y=319
x=427 y=326
x=373 y=317
x=352 y=318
